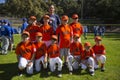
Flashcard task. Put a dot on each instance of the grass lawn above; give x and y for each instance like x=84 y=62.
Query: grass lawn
x=8 y=64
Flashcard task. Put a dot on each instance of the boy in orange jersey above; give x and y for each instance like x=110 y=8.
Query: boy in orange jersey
x=76 y=26
x=99 y=50
x=32 y=28
x=87 y=58
x=46 y=30
x=53 y=52
x=64 y=33
x=76 y=50
x=41 y=52
x=25 y=52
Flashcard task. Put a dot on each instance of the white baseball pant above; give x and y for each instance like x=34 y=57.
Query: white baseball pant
x=23 y=64
x=101 y=59
x=5 y=44
x=88 y=63
x=72 y=62
x=38 y=64
x=53 y=62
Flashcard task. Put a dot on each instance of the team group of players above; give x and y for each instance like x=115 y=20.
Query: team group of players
x=43 y=45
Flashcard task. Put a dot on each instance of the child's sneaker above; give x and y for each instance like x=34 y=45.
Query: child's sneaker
x=59 y=74
x=70 y=72
x=20 y=73
x=102 y=69
x=92 y=73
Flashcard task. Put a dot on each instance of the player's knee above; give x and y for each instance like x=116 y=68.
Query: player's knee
x=90 y=59
x=21 y=66
x=102 y=58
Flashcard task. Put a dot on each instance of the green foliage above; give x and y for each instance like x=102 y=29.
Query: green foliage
x=109 y=9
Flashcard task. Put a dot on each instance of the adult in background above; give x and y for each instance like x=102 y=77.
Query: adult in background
x=76 y=26
x=101 y=31
x=54 y=18
x=24 y=24
x=95 y=29
x=5 y=35
x=85 y=31
x=32 y=28
x=0 y=33
x=11 y=38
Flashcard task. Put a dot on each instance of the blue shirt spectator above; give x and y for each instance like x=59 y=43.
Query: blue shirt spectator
x=5 y=30
x=101 y=31
x=24 y=25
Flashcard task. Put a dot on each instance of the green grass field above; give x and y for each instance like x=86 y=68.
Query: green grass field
x=8 y=64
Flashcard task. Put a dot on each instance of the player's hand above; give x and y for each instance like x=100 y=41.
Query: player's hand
x=30 y=63
x=45 y=60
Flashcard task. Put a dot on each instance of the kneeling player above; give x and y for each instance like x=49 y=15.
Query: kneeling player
x=76 y=51
x=87 y=58
x=53 y=52
x=25 y=54
x=99 y=50
x=41 y=52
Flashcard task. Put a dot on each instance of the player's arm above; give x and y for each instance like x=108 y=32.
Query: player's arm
x=46 y=54
x=17 y=51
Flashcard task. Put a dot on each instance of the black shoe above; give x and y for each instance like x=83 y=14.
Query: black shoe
x=70 y=72
x=65 y=64
x=20 y=73
x=102 y=69
x=59 y=74
x=92 y=73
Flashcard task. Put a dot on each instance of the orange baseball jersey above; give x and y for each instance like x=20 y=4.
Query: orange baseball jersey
x=47 y=32
x=53 y=51
x=65 y=33
x=41 y=49
x=76 y=48
x=33 y=29
x=87 y=54
x=99 y=49
x=77 y=28
x=25 y=49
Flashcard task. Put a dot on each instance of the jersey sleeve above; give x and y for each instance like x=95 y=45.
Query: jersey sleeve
x=33 y=48
x=17 y=50
x=92 y=53
x=104 y=51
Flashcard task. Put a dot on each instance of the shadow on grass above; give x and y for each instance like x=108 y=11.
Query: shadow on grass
x=8 y=71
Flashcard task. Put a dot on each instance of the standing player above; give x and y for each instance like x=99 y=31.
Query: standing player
x=99 y=50
x=76 y=26
x=76 y=50
x=32 y=28
x=64 y=33
x=54 y=18
x=53 y=52
x=46 y=30
x=25 y=52
x=5 y=32
x=87 y=58
x=41 y=52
